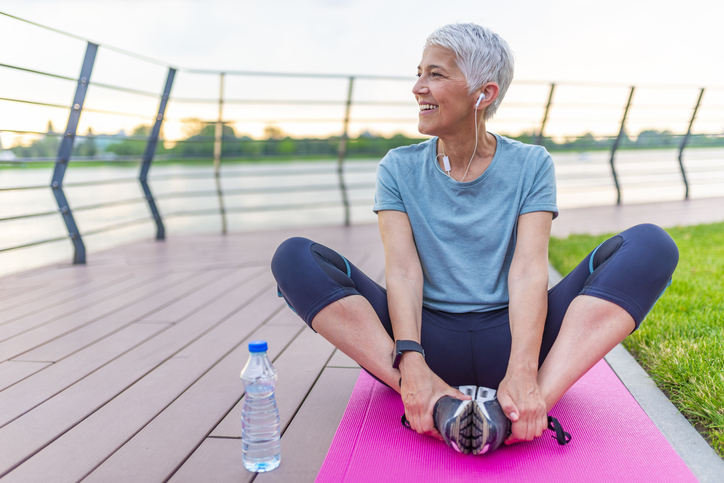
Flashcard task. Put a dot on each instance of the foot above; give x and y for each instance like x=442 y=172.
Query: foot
x=491 y=426
x=476 y=426
x=454 y=420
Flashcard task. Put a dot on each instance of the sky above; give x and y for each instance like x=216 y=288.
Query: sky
x=616 y=41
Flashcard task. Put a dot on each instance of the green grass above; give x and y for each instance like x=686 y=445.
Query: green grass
x=681 y=342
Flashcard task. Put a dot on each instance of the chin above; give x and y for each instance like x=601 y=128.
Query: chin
x=426 y=130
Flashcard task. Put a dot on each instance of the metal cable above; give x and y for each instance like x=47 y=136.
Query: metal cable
x=117 y=226
x=26 y=245
x=39 y=72
x=35 y=103
x=29 y=215
x=78 y=37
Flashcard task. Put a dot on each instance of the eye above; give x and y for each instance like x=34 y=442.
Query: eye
x=418 y=75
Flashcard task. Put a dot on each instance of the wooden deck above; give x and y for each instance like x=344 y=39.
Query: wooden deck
x=127 y=369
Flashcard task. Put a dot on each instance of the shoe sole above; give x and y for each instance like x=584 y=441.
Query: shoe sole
x=469 y=429
x=480 y=430
x=459 y=429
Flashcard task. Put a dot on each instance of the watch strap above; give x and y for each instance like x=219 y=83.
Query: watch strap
x=402 y=346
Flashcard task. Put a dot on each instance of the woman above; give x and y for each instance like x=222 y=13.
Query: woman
x=465 y=220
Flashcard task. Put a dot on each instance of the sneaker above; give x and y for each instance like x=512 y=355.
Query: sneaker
x=490 y=425
x=454 y=420
x=476 y=426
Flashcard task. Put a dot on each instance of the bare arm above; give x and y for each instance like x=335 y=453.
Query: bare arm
x=403 y=275
x=519 y=394
x=420 y=388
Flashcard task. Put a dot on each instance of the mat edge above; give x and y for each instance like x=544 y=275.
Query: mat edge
x=691 y=447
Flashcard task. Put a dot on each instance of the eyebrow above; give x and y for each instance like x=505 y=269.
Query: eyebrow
x=432 y=66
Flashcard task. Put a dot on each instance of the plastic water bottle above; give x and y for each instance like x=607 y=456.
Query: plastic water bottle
x=261 y=448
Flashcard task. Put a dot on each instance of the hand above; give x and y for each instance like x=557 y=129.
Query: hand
x=420 y=390
x=522 y=402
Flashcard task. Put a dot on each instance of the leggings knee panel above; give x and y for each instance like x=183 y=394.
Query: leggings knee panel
x=634 y=268
x=310 y=276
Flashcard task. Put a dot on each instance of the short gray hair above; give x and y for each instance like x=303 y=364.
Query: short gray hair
x=481 y=54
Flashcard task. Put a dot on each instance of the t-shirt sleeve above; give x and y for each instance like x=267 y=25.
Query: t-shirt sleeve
x=387 y=193
x=542 y=195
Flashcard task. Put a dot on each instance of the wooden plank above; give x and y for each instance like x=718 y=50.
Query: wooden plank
x=299 y=367
x=307 y=439
x=62 y=304
x=48 y=294
x=71 y=342
x=11 y=371
x=217 y=460
x=160 y=447
x=27 y=434
x=340 y=359
x=198 y=299
x=84 y=302
x=20 y=398
x=304 y=444
x=14 y=289
x=56 y=416
x=162 y=437
x=36 y=336
x=63 y=273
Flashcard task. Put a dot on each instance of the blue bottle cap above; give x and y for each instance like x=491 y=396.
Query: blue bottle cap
x=257 y=346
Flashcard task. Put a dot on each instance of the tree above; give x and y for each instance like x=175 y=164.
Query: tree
x=273 y=132
x=86 y=147
x=135 y=145
x=44 y=147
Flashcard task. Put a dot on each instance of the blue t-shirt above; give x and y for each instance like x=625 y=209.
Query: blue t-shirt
x=465 y=233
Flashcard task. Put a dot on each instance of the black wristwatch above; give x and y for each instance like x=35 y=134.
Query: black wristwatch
x=405 y=346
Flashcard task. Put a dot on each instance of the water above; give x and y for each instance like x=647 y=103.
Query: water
x=260 y=429
x=261 y=446
x=584 y=179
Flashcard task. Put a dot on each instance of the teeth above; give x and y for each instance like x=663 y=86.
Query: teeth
x=427 y=107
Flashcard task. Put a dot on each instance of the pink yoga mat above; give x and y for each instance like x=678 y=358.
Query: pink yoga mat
x=613 y=440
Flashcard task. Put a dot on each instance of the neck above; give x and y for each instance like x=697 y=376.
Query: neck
x=458 y=147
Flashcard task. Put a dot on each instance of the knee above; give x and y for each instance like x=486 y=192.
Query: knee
x=288 y=255
x=657 y=244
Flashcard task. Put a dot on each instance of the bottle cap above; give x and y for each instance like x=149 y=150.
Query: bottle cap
x=257 y=346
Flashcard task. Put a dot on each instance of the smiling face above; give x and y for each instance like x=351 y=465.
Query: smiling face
x=442 y=94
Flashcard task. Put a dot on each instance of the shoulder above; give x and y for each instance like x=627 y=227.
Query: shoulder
x=522 y=151
x=405 y=157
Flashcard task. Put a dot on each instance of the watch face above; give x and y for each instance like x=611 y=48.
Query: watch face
x=397 y=355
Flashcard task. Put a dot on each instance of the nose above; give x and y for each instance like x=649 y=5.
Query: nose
x=420 y=87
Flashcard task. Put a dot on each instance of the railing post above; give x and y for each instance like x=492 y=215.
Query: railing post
x=150 y=151
x=686 y=140
x=218 y=140
x=545 y=115
x=616 y=143
x=342 y=152
x=65 y=151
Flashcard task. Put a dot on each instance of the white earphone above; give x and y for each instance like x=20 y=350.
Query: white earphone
x=446 y=160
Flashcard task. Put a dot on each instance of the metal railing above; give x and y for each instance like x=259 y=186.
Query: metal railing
x=544 y=101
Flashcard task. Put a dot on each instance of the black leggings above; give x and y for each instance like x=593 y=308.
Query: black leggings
x=631 y=269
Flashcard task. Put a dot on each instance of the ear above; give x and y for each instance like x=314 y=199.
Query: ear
x=490 y=90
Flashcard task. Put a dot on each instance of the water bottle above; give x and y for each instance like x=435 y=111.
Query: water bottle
x=260 y=432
